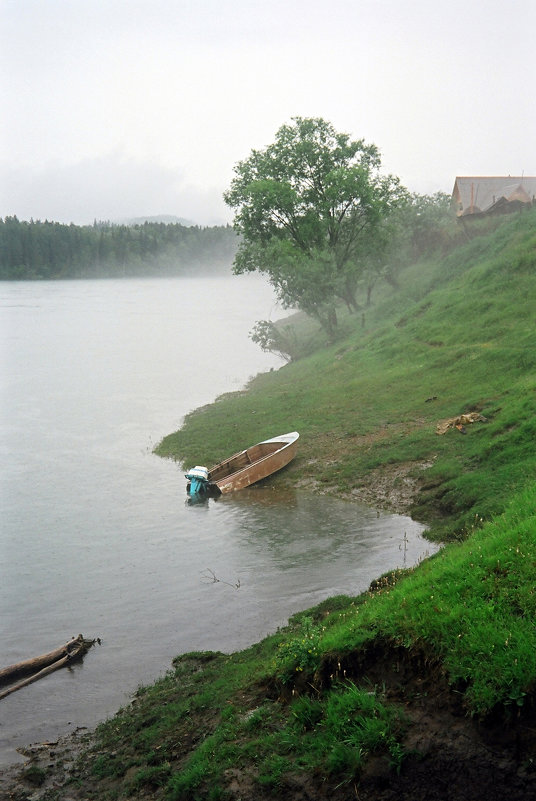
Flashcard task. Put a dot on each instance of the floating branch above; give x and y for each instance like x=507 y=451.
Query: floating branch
x=211 y=578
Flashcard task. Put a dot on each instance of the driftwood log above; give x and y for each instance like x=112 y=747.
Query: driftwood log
x=42 y=665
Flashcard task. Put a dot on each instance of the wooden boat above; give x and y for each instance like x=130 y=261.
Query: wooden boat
x=244 y=468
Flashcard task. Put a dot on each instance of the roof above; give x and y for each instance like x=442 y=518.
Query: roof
x=485 y=194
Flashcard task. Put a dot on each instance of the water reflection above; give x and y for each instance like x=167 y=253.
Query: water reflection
x=293 y=527
x=199 y=500
x=262 y=494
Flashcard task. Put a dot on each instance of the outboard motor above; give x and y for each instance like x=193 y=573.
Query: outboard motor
x=198 y=478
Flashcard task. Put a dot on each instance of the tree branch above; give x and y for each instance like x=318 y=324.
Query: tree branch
x=213 y=579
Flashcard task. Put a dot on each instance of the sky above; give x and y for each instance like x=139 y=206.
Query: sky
x=114 y=109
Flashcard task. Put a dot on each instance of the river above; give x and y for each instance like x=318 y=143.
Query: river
x=96 y=536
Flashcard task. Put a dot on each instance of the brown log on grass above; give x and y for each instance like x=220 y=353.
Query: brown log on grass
x=42 y=665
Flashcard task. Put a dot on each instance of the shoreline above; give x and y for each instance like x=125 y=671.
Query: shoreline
x=443 y=735
x=46 y=766
x=57 y=758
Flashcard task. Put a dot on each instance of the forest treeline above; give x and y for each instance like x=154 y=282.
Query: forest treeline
x=51 y=250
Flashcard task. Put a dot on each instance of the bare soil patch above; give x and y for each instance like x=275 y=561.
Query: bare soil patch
x=392 y=487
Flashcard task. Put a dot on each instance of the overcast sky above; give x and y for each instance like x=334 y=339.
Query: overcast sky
x=123 y=108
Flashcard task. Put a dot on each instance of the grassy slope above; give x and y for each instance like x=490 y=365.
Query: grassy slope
x=462 y=330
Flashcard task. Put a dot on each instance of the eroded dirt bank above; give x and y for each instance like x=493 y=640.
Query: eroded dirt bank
x=451 y=758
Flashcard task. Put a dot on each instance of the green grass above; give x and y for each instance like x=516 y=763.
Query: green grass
x=316 y=699
x=472 y=607
x=189 y=756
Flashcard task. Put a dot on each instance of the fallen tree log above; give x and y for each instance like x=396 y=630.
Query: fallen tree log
x=13 y=672
x=42 y=665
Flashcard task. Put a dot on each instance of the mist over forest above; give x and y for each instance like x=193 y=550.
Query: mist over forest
x=50 y=250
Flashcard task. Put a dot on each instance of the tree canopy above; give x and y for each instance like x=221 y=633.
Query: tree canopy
x=307 y=207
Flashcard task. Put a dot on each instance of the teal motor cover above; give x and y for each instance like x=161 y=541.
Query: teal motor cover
x=198 y=478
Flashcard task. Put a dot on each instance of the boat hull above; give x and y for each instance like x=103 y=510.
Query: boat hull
x=251 y=465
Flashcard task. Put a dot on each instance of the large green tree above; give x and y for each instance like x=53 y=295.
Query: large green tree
x=306 y=207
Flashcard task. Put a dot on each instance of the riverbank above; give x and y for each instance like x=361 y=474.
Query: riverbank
x=424 y=686
x=415 y=690
x=418 y=643
x=452 y=757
